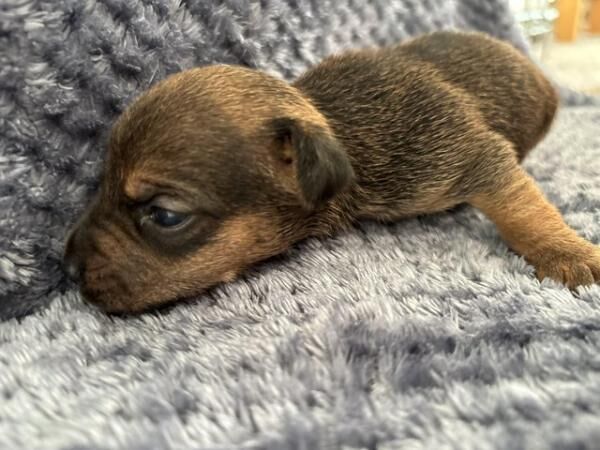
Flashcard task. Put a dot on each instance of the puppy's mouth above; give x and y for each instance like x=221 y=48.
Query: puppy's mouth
x=108 y=291
x=112 y=294
x=104 y=299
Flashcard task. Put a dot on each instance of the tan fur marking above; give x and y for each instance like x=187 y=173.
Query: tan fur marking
x=134 y=187
x=241 y=241
x=535 y=229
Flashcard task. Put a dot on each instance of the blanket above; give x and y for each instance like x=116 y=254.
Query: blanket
x=424 y=334
x=427 y=333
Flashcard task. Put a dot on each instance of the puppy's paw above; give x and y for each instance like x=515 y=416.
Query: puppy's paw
x=578 y=266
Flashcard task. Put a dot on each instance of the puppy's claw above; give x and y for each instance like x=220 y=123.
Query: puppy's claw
x=573 y=269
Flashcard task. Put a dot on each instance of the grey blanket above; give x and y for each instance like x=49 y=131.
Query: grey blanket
x=424 y=334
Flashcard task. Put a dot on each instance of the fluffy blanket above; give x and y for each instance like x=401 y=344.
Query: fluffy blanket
x=428 y=333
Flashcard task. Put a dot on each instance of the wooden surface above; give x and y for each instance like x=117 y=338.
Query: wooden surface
x=567 y=24
x=594 y=17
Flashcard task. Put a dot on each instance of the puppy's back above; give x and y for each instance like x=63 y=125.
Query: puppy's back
x=512 y=93
x=509 y=91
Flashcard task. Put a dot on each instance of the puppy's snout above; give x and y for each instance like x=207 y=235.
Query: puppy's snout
x=72 y=260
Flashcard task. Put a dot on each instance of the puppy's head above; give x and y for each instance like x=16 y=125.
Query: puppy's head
x=207 y=173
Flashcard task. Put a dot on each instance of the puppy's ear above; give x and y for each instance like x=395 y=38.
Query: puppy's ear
x=315 y=159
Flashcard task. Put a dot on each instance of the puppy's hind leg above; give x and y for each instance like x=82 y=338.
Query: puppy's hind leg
x=535 y=229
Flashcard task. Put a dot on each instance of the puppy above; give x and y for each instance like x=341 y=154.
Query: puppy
x=217 y=168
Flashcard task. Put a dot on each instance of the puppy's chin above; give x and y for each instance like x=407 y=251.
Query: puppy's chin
x=125 y=303
x=118 y=304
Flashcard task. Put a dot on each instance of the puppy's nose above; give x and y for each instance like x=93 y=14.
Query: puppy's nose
x=72 y=262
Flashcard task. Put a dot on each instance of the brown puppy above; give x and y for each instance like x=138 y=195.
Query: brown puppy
x=217 y=168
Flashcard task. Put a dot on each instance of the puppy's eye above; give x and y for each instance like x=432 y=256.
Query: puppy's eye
x=166 y=218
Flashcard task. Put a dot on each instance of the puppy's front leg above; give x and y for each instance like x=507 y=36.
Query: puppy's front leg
x=535 y=229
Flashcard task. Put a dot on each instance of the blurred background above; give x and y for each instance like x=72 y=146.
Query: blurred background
x=566 y=38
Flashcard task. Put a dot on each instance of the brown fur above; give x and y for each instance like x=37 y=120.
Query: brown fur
x=258 y=164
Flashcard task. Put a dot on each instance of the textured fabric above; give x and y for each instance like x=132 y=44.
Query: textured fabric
x=425 y=334
x=68 y=67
